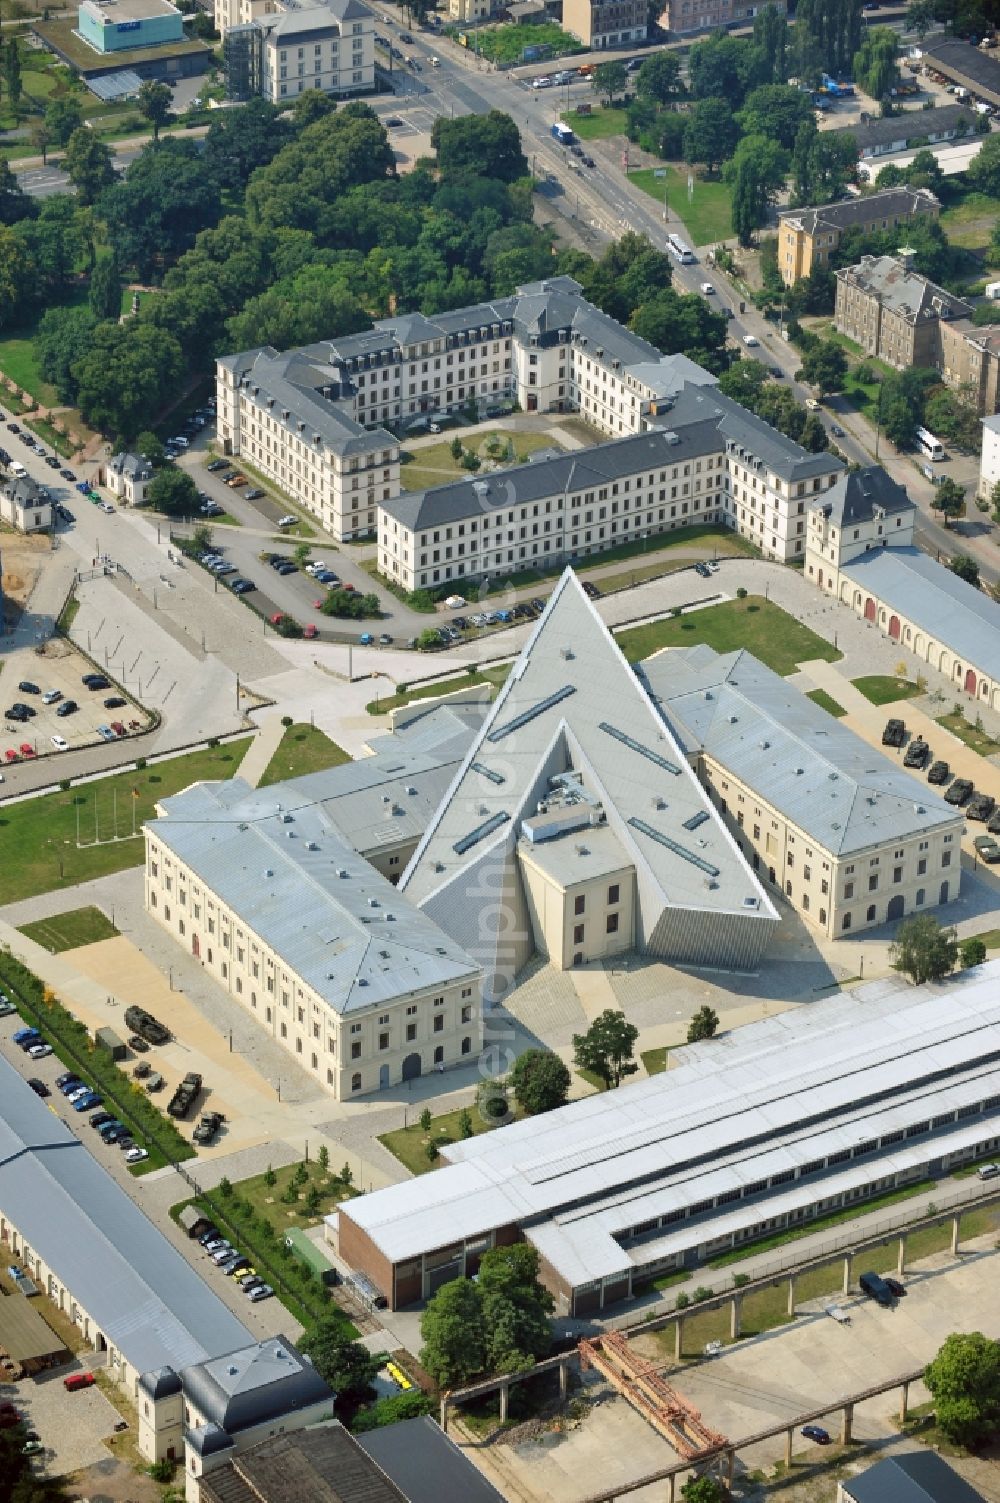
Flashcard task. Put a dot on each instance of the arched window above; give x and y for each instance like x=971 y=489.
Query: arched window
x=356 y=1082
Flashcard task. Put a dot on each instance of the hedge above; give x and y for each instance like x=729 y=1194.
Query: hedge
x=76 y=1049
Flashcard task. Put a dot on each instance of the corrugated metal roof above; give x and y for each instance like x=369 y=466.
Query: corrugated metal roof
x=770 y=1097
x=138 y=1290
x=917 y=1477
x=948 y=609
x=826 y=780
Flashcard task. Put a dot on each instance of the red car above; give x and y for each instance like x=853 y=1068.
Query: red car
x=118 y=728
x=78 y=1380
x=276 y=619
x=317 y=605
x=27 y=750
x=10 y=755
x=309 y=631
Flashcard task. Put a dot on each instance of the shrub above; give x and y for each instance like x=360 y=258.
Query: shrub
x=701 y=1293
x=739 y=1279
x=286 y=721
x=401 y=1406
x=682 y=1301
x=140 y=764
x=741 y=593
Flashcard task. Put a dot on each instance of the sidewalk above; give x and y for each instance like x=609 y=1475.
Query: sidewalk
x=262 y=749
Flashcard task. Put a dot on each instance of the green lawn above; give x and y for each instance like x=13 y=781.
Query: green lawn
x=494 y=676
x=599 y=124
x=979 y=741
x=432 y=465
x=884 y=689
x=655 y=1060
x=506 y=44
x=19 y=361
x=759 y=625
x=971 y=222
x=268 y=1200
x=708 y=214
x=303 y=749
x=38 y=849
x=826 y=702
x=65 y=931
x=409 y=1144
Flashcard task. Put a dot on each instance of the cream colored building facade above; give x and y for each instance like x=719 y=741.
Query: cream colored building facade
x=579 y=919
x=989 y=459
x=829 y=823
x=329 y=47
x=606 y=23
x=807 y=238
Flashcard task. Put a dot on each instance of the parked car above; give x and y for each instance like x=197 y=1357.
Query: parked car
x=988 y=1171
x=65 y=1078
x=938 y=772
x=208 y=1127
x=68 y=707
x=40 y=1050
x=94 y=681
x=959 y=793
x=287 y=521
x=116 y=702
x=99 y=1119
x=259 y=1292
x=876 y=1288
x=242 y=586
x=155 y=1083
x=87 y=1102
x=816 y=1433
x=253 y=494
x=136 y=1155
x=895 y=1288
x=26 y=687
x=78 y=1380
x=52 y=696
x=38 y=1086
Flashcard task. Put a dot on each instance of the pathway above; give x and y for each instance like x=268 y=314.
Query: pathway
x=262 y=749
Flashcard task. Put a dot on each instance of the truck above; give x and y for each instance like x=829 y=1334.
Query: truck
x=145 y=1025
x=836 y=90
x=992 y=291
x=185 y=1095
x=106 y=1038
x=563 y=134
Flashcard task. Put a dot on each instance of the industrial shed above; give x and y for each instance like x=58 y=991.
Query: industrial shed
x=27 y=1339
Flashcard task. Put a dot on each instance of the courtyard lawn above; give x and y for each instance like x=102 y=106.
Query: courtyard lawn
x=269 y=1201
x=38 y=838
x=19 y=361
x=493 y=676
x=598 y=124
x=654 y=1061
x=707 y=216
x=65 y=931
x=971 y=222
x=978 y=740
x=409 y=1144
x=884 y=689
x=759 y=625
x=303 y=749
x=826 y=702
x=431 y=465
x=506 y=44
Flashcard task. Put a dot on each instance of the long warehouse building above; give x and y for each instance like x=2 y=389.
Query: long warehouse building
x=786 y=1119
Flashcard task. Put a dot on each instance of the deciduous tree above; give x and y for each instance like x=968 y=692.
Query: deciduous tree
x=609 y=79
x=454 y=1341
x=964 y=1379
x=923 y=950
x=966 y=568
x=711 y=133
x=89 y=164
x=346 y=1365
x=607 y=1047
x=173 y=492
x=659 y=78
x=63 y=116
x=540 y=1081
x=483 y=145
x=703 y=1025
x=971 y=952
x=949 y=498
x=154 y=101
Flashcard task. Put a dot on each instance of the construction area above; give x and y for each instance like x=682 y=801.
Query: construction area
x=643 y=1385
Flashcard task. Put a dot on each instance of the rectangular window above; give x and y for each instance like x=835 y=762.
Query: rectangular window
x=578 y=904
x=578 y=934
x=612 y=926
x=613 y=895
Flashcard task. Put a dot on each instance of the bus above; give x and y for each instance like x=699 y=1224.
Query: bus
x=677 y=247
x=563 y=134
x=929 y=446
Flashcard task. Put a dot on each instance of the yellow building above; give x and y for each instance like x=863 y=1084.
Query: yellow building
x=807 y=238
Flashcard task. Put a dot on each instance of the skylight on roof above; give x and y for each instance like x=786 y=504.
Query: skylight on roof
x=488 y=772
x=696 y=820
x=637 y=746
x=530 y=714
x=480 y=833
x=673 y=845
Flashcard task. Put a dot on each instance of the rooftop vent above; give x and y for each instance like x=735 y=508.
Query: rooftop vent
x=582 y=850
x=362 y=980
x=659 y=803
x=439 y=866
x=566 y=652
x=386 y=798
x=411 y=790
x=390 y=918
x=799 y=771
x=268 y=872
x=733 y=719
x=373 y=902
x=341 y=871
x=311 y=845
x=764 y=745
x=751 y=902
x=833 y=776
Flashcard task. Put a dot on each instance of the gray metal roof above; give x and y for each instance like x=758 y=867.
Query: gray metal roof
x=138 y=1290
x=915 y=1477
x=740 y=429
x=935 y=600
x=318 y=19
x=959 y=58
x=573 y=704
x=249 y=1387
x=132 y=464
x=566 y=474
x=910 y=125
x=765 y=1099
x=294 y=384
x=425 y=1463
x=865 y=209
x=843 y=793
x=902 y=290
x=859 y=494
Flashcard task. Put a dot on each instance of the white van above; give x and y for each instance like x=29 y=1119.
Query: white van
x=17 y=469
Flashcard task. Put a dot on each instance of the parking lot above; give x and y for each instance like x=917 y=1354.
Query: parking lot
x=72 y=1427
x=55 y=675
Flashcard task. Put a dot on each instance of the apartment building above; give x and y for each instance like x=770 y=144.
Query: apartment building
x=865 y=510
x=989 y=459
x=716 y=463
x=606 y=23
x=893 y=312
x=276 y=49
x=24 y=504
x=311 y=419
x=844 y=833
x=128 y=478
x=808 y=238
x=680 y=16
x=970 y=363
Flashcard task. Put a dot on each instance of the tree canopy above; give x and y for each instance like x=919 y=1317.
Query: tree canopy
x=481 y=145
x=964 y=1379
x=540 y=1081
x=346 y=1365
x=606 y=1049
x=923 y=949
x=711 y=133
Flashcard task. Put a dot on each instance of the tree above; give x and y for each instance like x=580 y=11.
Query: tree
x=777 y=112
x=875 y=66
x=18 y=278
x=150 y=446
x=920 y=17
x=323 y=1158
x=983 y=172
x=711 y=133
x=40 y=136
x=971 y=952
x=659 y=78
x=606 y=1048
x=173 y=492
x=63 y=117
x=704 y=1025
x=487 y=145
x=515 y=1308
x=721 y=67
x=63 y=336
x=240 y=141
x=757 y=172
x=454 y=1342
x=966 y=568
x=825 y=366
x=125 y=375
x=105 y=293
x=89 y=164
x=678 y=322
x=923 y=950
x=465 y=1127
x=964 y=1379
x=829 y=31
x=949 y=498
x=164 y=200
x=12 y=74
x=426 y=1119
x=609 y=79
x=770 y=37
x=154 y=101
x=15 y=204
x=346 y=1365
x=703 y=1490
x=540 y=1081
x=491 y=1100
